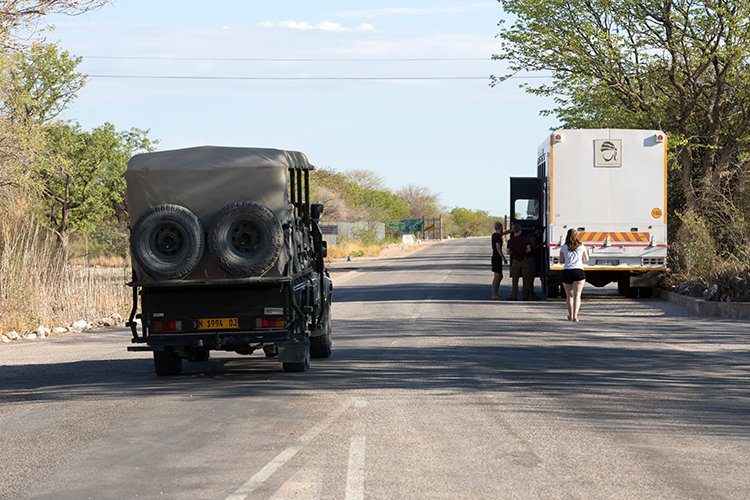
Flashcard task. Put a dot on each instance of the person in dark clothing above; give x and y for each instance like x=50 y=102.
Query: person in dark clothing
x=536 y=257
x=498 y=258
x=519 y=249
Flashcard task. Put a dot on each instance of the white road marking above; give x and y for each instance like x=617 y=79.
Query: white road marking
x=306 y=484
x=282 y=458
x=262 y=475
x=355 y=473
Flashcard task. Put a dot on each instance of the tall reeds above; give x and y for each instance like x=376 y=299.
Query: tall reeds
x=38 y=286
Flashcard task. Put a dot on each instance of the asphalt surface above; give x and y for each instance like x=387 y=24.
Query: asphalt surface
x=433 y=391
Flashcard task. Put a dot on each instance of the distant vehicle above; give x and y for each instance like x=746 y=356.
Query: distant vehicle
x=227 y=255
x=611 y=186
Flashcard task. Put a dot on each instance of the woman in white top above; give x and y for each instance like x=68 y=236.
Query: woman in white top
x=572 y=255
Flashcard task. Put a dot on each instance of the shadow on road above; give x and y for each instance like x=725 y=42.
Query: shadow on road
x=615 y=384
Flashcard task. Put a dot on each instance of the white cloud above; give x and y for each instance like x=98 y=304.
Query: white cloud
x=329 y=26
x=395 y=11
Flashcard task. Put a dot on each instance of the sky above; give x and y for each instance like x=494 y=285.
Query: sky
x=353 y=85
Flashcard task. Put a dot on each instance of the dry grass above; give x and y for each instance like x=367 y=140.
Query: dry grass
x=353 y=248
x=111 y=261
x=38 y=287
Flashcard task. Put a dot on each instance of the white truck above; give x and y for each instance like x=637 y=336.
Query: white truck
x=611 y=186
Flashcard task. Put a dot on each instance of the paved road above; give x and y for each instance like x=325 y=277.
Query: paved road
x=433 y=392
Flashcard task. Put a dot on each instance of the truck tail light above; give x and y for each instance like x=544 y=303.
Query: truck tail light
x=166 y=326
x=271 y=323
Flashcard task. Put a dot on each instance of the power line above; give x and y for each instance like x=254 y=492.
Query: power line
x=285 y=59
x=182 y=77
x=293 y=78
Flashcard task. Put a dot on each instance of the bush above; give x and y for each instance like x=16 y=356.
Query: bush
x=695 y=253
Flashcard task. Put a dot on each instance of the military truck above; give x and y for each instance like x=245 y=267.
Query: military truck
x=227 y=255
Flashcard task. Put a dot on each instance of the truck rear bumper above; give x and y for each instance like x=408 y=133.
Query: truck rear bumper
x=215 y=340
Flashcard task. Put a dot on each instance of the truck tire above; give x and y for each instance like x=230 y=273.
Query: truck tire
x=320 y=347
x=246 y=239
x=167 y=241
x=167 y=363
x=296 y=366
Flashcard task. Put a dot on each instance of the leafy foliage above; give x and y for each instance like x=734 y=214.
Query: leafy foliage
x=677 y=65
x=81 y=176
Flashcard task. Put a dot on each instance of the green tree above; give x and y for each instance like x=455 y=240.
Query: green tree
x=677 y=65
x=81 y=176
x=43 y=81
x=464 y=222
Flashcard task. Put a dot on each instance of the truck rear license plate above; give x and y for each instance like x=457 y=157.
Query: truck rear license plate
x=607 y=262
x=217 y=323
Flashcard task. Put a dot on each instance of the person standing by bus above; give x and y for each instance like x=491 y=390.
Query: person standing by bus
x=498 y=258
x=572 y=256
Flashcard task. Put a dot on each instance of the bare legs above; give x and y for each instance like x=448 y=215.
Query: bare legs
x=496 y=285
x=573 y=298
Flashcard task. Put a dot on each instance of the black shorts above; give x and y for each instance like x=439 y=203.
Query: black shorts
x=497 y=265
x=571 y=275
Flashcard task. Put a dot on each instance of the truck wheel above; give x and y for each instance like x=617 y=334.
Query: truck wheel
x=167 y=363
x=320 y=347
x=246 y=239
x=553 y=291
x=296 y=366
x=167 y=241
x=623 y=285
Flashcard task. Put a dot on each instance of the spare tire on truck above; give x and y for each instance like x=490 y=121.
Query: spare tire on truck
x=246 y=239
x=167 y=241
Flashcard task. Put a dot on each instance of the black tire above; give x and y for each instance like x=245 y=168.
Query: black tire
x=167 y=241
x=320 y=347
x=167 y=363
x=553 y=291
x=623 y=285
x=296 y=366
x=246 y=239
x=631 y=292
x=646 y=292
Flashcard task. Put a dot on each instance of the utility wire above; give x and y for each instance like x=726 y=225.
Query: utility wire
x=372 y=78
x=284 y=59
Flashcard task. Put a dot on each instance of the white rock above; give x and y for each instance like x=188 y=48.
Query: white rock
x=79 y=326
x=60 y=329
x=43 y=331
x=4 y=338
x=116 y=319
x=30 y=336
x=13 y=335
